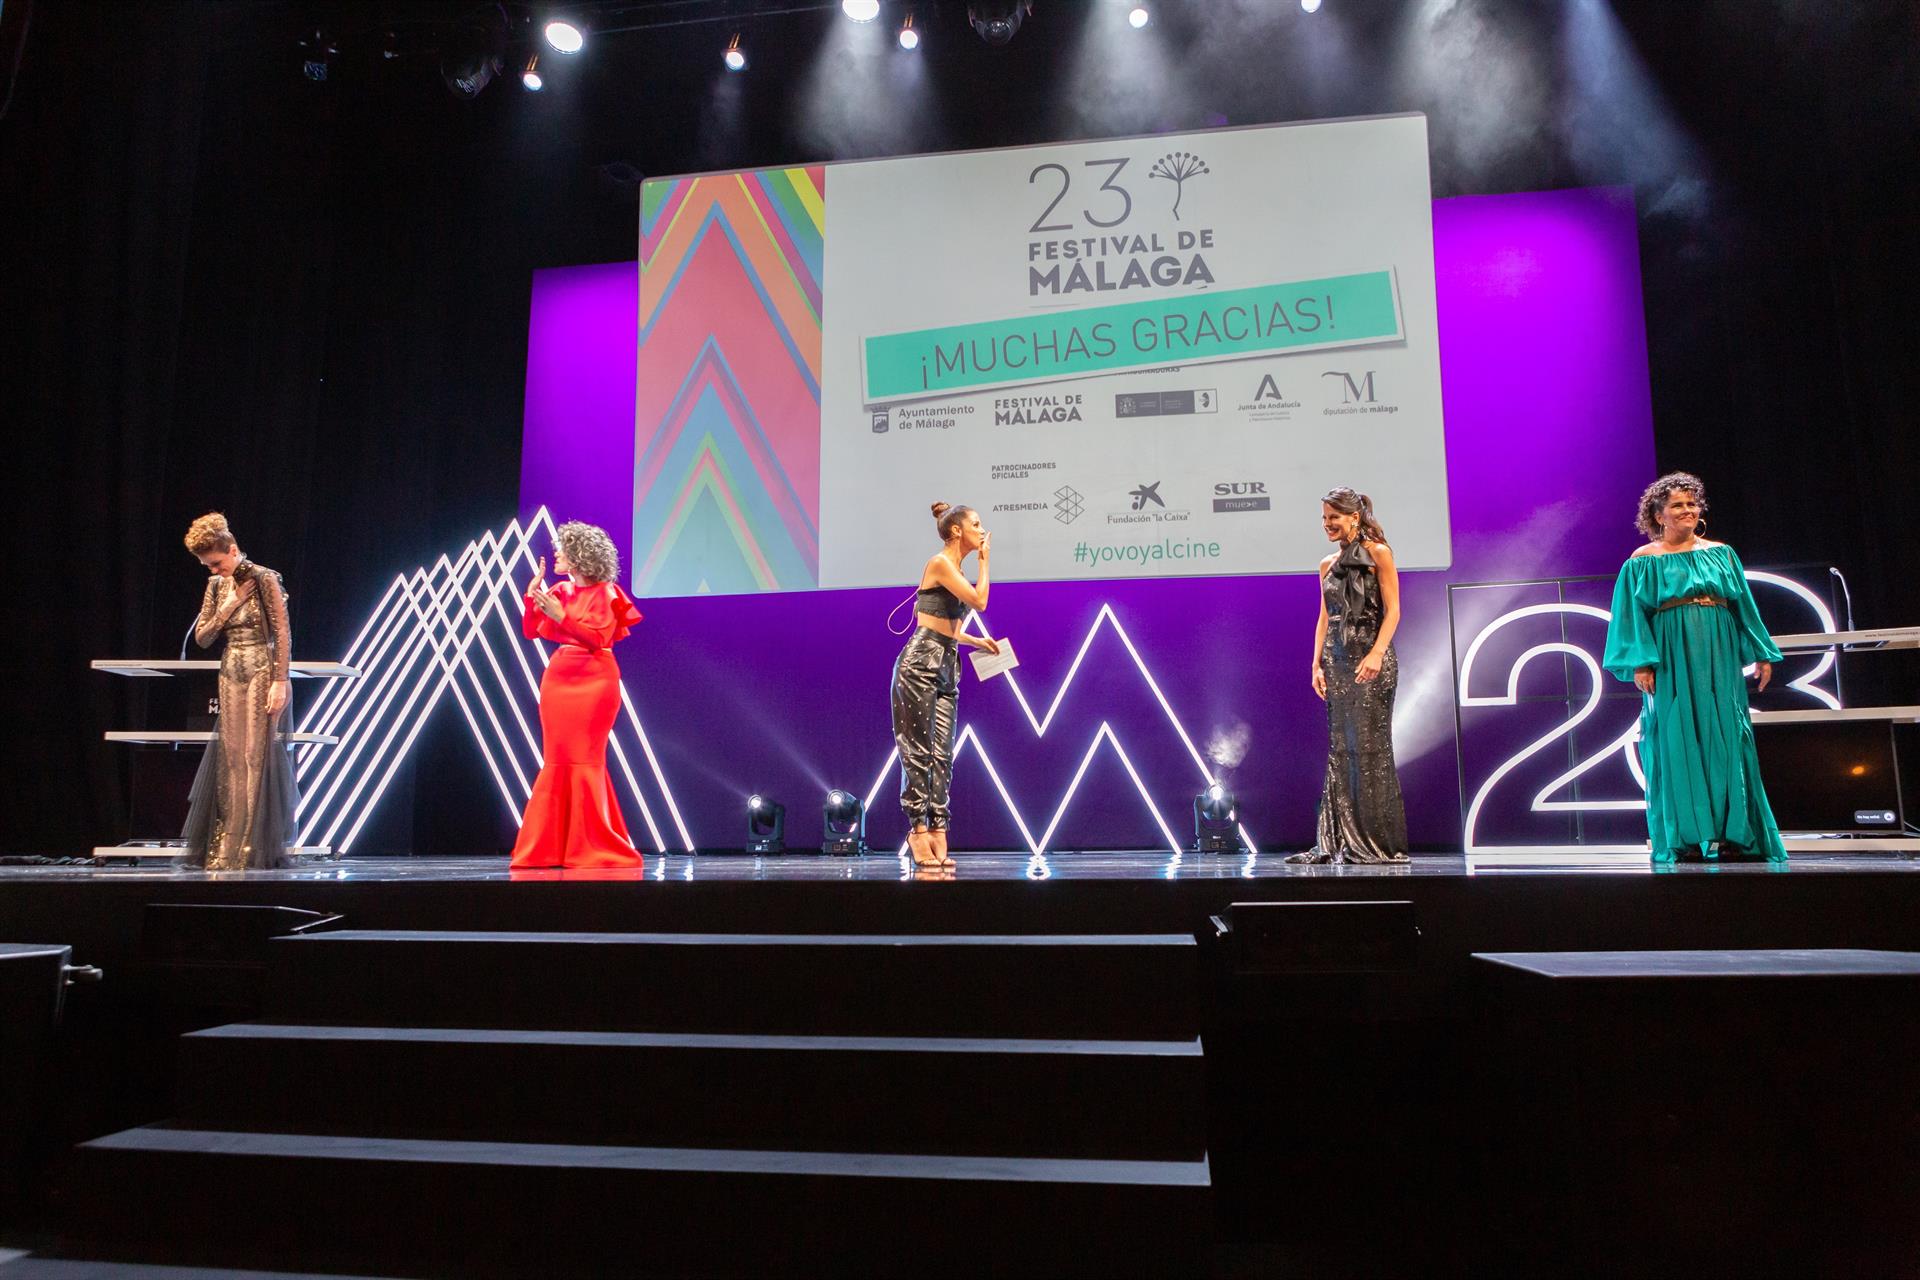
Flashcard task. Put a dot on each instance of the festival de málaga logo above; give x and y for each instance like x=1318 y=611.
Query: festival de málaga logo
x=1115 y=257
x=1177 y=167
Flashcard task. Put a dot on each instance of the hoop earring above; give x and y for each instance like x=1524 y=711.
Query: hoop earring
x=1699 y=527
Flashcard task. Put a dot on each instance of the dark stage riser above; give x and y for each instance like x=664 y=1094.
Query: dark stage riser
x=667 y=1141
x=1865 y=904
x=1377 y=1108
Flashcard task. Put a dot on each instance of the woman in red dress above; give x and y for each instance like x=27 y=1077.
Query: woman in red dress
x=573 y=819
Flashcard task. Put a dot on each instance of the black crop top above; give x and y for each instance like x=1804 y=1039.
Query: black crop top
x=938 y=602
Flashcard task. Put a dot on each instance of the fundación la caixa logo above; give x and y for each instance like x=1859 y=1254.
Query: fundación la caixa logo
x=1144 y=493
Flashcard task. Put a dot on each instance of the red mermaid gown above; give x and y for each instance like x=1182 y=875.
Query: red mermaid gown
x=573 y=818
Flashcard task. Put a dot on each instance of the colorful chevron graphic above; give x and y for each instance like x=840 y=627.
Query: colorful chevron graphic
x=726 y=483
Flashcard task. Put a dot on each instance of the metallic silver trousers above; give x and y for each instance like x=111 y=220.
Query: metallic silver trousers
x=926 y=690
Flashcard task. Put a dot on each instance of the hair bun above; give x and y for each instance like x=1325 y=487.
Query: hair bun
x=941 y=508
x=209 y=533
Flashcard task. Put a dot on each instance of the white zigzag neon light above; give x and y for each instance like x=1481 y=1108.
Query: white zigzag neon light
x=1105 y=733
x=416 y=646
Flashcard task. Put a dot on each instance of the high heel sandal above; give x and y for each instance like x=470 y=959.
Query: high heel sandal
x=929 y=863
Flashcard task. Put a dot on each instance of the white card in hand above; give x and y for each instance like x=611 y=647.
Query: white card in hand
x=988 y=665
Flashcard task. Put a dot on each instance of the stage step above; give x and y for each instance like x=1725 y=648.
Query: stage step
x=36 y=1267
x=1076 y=986
x=1067 y=1098
x=437 y=1207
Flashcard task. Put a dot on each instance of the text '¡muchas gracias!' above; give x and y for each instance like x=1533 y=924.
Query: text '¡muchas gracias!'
x=1336 y=311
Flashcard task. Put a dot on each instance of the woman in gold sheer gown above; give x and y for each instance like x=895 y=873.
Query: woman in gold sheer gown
x=241 y=816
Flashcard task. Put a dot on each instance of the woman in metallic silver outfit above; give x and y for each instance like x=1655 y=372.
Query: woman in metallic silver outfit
x=1355 y=672
x=241 y=814
x=926 y=679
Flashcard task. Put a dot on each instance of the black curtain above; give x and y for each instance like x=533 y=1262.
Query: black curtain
x=250 y=292
x=304 y=303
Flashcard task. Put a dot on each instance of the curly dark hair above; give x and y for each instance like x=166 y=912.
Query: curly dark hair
x=1653 y=499
x=589 y=550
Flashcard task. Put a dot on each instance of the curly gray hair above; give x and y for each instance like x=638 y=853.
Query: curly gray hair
x=589 y=550
x=1653 y=499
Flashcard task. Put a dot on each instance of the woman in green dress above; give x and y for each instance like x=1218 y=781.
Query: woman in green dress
x=1684 y=628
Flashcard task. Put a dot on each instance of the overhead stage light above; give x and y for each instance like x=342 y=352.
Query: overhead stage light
x=1216 y=821
x=473 y=53
x=1311 y=6
x=846 y=820
x=530 y=74
x=566 y=36
x=861 y=10
x=1138 y=17
x=909 y=38
x=735 y=57
x=766 y=825
x=998 y=21
x=317 y=53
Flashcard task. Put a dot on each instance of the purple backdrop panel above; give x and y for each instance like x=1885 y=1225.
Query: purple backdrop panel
x=1128 y=690
x=582 y=347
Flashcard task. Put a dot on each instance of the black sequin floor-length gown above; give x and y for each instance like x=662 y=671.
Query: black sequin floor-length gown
x=1362 y=818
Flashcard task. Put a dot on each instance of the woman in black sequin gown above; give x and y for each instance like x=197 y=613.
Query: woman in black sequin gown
x=1355 y=673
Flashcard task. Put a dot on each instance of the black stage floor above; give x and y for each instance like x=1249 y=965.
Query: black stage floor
x=878 y=868
x=1608 y=902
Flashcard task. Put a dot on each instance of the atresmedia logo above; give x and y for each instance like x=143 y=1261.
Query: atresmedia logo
x=1068 y=504
x=1241 y=495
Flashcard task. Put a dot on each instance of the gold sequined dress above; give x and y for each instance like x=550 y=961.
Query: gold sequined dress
x=241 y=816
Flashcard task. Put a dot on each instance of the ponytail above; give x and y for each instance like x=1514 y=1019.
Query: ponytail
x=1350 y=502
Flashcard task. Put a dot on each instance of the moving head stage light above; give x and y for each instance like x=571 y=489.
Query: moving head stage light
x=846 y=819
x=1216 y=822
x=766 y=825
x=998 y=21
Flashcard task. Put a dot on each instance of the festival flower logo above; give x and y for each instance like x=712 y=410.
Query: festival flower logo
x=1177 y=168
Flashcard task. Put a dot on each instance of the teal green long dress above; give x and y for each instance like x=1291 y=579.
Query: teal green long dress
x=1696 y=742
